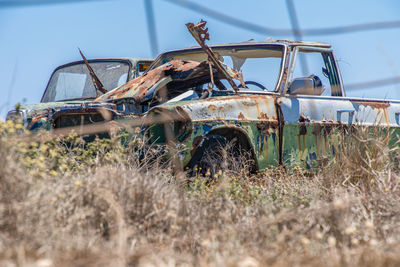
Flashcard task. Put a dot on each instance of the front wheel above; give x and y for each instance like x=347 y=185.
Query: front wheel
x=209 y=157
x=217 y=154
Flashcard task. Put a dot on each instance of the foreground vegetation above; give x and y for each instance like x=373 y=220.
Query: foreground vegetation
x=98 y=206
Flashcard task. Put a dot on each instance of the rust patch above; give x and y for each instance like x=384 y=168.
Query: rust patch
x=374 y=104
x=265 y=126
x=224 y=108
x=263 y=116
x=317 y=129
x=303 y=128
x=212 y=107
x=38 y=118
x=327 y=129
x=241 y=116
x=382 y=105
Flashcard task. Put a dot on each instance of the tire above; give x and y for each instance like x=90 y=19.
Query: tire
x=210 y=156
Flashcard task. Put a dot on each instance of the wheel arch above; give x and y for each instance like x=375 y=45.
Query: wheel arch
x=230 y=133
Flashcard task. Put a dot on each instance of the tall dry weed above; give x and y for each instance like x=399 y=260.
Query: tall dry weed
x=366 y=160
x=109 y=209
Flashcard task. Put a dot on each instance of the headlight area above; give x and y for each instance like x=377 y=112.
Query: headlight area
x=12 y=115
x=15 y=115
x=76 y=119
x=31 y=119
x=165 y=125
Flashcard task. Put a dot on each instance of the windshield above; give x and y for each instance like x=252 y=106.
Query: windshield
x=74 y=81
x=260 y=66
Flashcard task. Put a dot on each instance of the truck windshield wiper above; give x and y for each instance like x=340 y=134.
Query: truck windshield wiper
x=95 y=80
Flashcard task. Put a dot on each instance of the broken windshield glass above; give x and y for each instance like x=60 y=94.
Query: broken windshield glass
x=260 y=66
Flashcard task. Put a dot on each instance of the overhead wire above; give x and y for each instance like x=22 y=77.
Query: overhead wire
x=374 y=83
x=151 y=26
x=297 y=33
x=24 y=3
x=252 y=27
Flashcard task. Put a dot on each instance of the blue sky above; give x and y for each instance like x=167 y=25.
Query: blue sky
x=36 y=39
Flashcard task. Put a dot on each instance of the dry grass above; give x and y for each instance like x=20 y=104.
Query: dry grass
x=105 y=209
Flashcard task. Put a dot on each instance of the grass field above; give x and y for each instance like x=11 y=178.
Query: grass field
x=98 y=206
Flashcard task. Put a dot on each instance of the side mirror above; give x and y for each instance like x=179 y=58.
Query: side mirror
x=306 y=86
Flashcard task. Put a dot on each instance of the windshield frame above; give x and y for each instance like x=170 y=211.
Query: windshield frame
x=158 y=61
x=125 y=61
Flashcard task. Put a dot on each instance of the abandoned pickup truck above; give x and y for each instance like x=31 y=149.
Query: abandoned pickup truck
x=71 y=86
x=252 y=94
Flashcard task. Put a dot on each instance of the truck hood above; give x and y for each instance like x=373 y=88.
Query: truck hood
x=34 y=109
x=172 y=78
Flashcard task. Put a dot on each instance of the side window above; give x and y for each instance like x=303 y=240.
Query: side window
x=142 y=67
x=259 y=73
x=317 y=66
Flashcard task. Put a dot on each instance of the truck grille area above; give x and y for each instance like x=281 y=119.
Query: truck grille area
x=70 y=120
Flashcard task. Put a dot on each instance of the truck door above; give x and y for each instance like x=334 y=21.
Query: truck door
x=313 y=108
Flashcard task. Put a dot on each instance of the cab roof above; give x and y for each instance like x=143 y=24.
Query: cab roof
x=245 y=44
x=267 y=42
x=132 y=60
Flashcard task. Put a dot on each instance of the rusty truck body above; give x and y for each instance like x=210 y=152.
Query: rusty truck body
x=252 y=93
